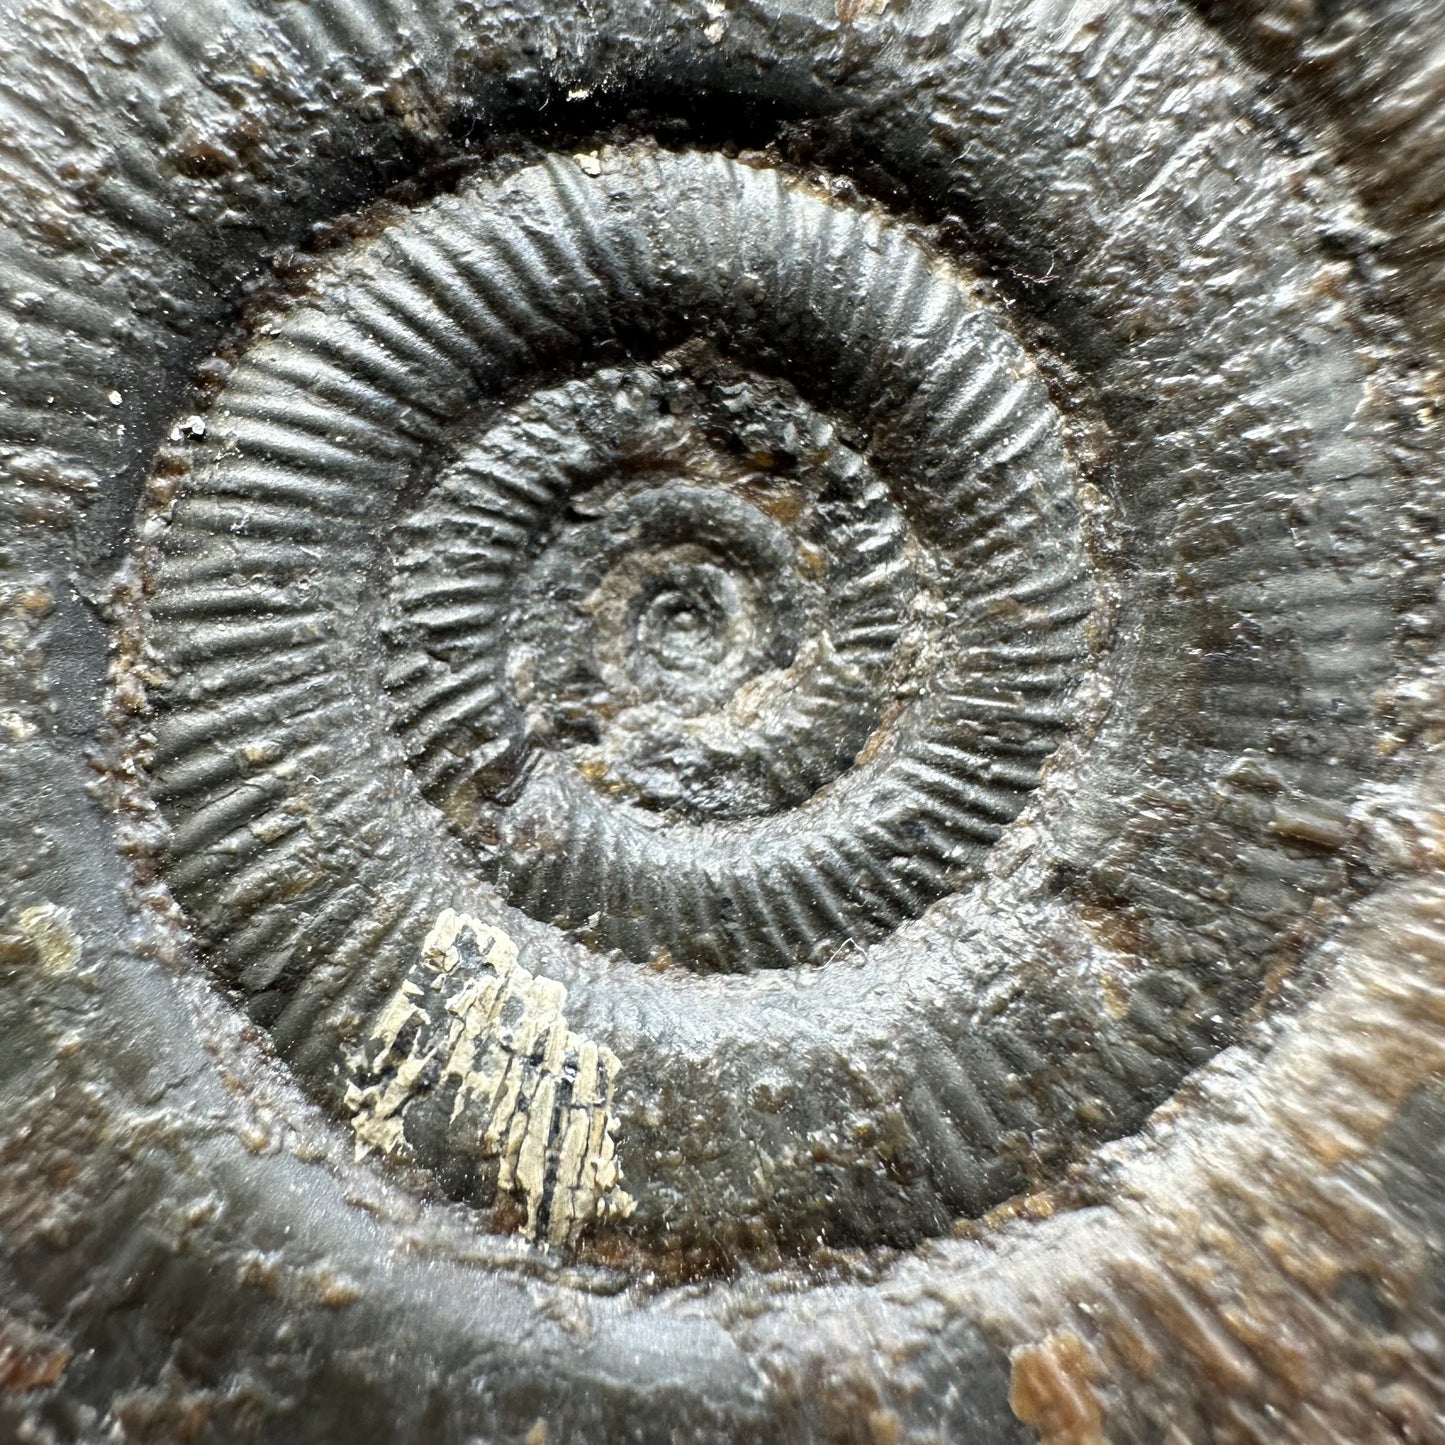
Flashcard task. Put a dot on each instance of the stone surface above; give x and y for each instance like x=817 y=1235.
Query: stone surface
x=787 y=655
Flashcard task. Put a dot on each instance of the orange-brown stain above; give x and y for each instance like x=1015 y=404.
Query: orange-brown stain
x=1052 y=1388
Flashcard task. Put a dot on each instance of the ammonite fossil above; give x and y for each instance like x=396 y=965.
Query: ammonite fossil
x=719 y=722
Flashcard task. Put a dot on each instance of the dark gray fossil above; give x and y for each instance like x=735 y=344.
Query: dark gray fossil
x=718 y=721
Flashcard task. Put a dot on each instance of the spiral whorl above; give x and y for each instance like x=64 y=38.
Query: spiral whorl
x=648 y=600
x=721 y=720
x=738 y=645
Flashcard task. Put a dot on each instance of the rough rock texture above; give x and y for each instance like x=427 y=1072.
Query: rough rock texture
x=786 y=654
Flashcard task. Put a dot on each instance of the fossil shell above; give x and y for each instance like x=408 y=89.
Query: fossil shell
x=759 y=696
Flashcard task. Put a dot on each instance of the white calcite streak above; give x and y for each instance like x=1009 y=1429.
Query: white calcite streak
x=470 y=1018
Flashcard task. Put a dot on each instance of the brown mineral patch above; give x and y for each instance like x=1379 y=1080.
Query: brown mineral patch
x=784 y=506
x=45 y=1188
x=1185 y=1318
x=336 y=1291
x=1130 y=1342
x=1204 y=1306
x=884 y=1427
x=260 y=1271
x=1051 y=1387
x=29 y=1358
x=169 y=1414
x=851 y=1409
x=17 y=951
x=1117 y=930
